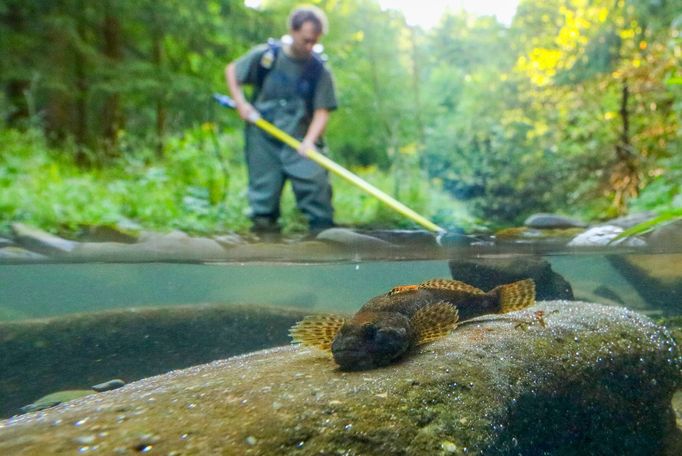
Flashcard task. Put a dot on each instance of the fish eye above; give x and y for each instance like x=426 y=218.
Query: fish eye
x=394 y=331
x=390 y=333
x=369 y=331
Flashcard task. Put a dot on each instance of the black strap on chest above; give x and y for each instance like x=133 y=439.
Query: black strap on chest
x=306 y=84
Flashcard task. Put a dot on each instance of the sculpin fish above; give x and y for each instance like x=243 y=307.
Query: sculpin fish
x=389 y=325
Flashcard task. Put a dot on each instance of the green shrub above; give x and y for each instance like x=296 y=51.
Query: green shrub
x=199 y=186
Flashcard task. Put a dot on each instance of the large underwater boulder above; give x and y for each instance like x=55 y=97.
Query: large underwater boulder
x=585 y=379
x=656 y=277
x=488 y=272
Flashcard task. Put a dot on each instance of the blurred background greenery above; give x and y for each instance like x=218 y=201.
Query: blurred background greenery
x=575 y=107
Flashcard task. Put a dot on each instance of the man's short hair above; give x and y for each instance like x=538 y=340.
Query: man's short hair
x=304 y=14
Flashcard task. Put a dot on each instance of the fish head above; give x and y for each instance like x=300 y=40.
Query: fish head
x=372 y=339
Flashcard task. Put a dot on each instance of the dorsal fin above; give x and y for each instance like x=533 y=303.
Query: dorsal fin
x=403 y=289
x=516 y=295
x=317 y=331
x=434 y=321
x=449 y=284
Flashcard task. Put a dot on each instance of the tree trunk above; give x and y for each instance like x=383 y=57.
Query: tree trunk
x=625 y=176
x=16 y=88
x=416 y=86
x=82 y=87
x=112 y=118
x=160 y=105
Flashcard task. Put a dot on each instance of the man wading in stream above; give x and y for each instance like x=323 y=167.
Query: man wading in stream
x=294 y=90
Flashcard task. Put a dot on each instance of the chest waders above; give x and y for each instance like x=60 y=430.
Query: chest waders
x=337 y=169
x=286 y=99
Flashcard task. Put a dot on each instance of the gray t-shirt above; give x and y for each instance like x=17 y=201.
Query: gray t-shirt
x=278 y=100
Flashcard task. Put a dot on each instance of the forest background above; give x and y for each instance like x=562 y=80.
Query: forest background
x=107 y=118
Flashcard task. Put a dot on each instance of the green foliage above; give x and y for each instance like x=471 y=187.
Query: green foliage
x=665 y=189
x=664 y=217
x=175 y=192
x=185 y=190
x=576 y=107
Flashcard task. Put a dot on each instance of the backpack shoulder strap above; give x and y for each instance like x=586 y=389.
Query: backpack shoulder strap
x=266 y=62
x=312 y=71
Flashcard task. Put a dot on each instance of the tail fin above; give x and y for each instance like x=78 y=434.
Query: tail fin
x=516 y=296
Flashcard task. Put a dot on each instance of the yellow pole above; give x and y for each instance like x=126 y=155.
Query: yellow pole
x=347 y=175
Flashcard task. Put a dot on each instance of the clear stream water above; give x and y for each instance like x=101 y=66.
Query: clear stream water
x=41 y=290
x=33 y=291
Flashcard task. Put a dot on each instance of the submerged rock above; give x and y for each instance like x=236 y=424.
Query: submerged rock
x=229 y=240
x=17 y=253
x=555 y=237
x=108 y=233
x=59 y=397
x=40 y=356
x=54 y=399
x=548 y=221
x=630 y=220
x=487 y=273
x=656 y=277
x=587 y=378
x=405 y=238
x=350 y=238
x=604 y=235
x=667 y=237
x=109 y=385
x=40 y=241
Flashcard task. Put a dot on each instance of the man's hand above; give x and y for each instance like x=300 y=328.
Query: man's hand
x=320 y=117
x=246 y=111
x=244 y=108
x=306 y=145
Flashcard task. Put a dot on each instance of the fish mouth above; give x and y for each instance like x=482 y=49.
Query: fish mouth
x=357 y=360
x=353 y=359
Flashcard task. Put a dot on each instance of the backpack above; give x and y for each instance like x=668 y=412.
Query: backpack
x=306 y=84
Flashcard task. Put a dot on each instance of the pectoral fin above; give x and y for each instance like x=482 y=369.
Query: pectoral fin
x=317 y=331
x=434 y=321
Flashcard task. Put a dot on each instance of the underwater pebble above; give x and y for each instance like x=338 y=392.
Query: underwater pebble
x=109 y=385
x=448 y=446
x=146 y=441
x=85 y=439
x=250 y=440
x=81 y=422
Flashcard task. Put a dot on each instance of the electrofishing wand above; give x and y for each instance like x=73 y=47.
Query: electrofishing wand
x=334 y=167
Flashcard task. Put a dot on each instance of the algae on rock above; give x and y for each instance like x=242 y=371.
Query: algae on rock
x=591 y=378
